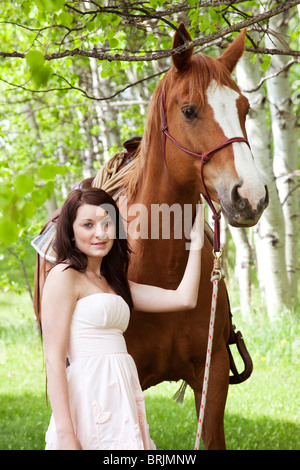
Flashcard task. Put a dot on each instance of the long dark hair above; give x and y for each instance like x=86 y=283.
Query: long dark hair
x=114 y=266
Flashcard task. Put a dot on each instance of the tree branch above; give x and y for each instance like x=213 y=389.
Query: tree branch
x=105 y=98
x=188 y=44
x=272 y=75
x=85 y=93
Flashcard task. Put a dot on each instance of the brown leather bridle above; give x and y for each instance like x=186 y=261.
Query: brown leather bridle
x=204 y=157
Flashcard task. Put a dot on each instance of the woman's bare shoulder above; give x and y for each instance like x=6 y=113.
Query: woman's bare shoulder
x=62 y=274
x=60 y=290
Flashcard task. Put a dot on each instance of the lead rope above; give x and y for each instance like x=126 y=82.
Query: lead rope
x=216 y=276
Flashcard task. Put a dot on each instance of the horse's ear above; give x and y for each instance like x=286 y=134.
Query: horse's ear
x=181 y=61
x=234 y=52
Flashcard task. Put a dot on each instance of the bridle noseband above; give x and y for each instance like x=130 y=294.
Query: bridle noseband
x=204 y=157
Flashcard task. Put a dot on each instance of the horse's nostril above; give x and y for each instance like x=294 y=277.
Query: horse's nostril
x=234 y=193
x=264 y=202
x=236 y=198
x=267 y=196
x=241 y=203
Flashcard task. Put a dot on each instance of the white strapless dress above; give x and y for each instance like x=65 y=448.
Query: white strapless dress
x=106 y=399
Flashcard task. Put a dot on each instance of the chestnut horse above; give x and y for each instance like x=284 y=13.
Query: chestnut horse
x=203 y=107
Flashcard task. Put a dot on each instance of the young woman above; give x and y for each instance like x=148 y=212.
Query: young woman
x=97 y=401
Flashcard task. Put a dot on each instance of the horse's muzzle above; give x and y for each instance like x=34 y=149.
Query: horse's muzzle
x=239 y=212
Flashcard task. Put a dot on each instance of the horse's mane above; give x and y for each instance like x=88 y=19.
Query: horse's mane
x=202 y=69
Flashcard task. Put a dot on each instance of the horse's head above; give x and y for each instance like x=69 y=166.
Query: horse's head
x=204 y=108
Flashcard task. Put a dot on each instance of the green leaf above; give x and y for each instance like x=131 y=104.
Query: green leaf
x=110 y=33
x=9 y=232
x=214 y=14
x=6 y=195
x=50 y=5
x=90 y=26
x=40 y=72
x=29 y=210
x=113 y=43
x=41 y=76
x=65 y=18
x=35 y=60
x=23 y=184
x=49 y=172
x=205 y=23
x=115 y=19
x=26 y=7
x=106 y=69
x=265 y=63
x=103 y=21
x=39 y=196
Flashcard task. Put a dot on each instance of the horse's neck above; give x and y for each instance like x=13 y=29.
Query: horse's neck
x=164 y=257
x=157 y=185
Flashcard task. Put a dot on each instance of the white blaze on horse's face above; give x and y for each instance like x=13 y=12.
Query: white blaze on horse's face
x=223 y=101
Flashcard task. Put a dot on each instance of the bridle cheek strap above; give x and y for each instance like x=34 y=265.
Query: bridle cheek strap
x=204 y=157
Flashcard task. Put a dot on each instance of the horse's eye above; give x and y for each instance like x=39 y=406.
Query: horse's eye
x=189 y=112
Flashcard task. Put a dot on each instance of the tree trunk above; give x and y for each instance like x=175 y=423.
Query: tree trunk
x=87 y=154
x=51 y=204
x=269 y=232
x=243 y=263
x=284 y=122
x=99 y=111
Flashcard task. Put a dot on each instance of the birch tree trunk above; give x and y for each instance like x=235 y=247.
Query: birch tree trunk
x=284 y=123
x=243 y=263
x=110 y=111
x=105 y=111
x=139 y=91
x=98 y=108
x=51 y=204
x=62 y=160
x=269 y=232
x=87 y=154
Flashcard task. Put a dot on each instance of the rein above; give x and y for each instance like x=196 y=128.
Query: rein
x=217 y=273
x=204 y=157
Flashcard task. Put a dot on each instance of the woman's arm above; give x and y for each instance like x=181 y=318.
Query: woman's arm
x=155 y=299
x=58 y=304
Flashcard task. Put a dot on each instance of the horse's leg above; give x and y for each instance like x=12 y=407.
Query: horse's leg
x=213 y=425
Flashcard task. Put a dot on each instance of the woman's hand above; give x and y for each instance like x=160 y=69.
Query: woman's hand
x=197 y=232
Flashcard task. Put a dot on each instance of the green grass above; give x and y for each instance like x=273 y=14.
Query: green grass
x=261 y=413
x=23 y=409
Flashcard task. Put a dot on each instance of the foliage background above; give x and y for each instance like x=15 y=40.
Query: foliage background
x=62 y=114
x=75 y=81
